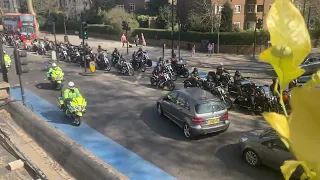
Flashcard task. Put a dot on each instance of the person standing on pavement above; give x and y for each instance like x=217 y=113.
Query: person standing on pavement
x=143 y=40
x=136 y=40
x=123 y=40
x=209 y=49
x=193 y=50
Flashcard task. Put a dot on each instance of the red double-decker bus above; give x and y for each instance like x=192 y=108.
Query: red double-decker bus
x=23 y=25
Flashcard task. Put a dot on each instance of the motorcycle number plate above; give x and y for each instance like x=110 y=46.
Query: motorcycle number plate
x=213 y=121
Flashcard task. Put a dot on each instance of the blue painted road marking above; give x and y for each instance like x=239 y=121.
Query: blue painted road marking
x=120 y=158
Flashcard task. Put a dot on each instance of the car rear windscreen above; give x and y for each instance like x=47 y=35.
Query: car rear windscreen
x=209 y=107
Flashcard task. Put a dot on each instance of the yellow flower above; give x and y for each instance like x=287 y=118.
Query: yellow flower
x=290 y=41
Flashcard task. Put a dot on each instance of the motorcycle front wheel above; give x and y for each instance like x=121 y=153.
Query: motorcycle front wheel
x=142 y=67
x=131 y=72
x=170 y=85
x=108 y=67
x=173 y=76
x=186 y=73
x=77 y=120
x=228 y=103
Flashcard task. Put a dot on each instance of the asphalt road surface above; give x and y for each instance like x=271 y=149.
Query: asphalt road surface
x=123 y=109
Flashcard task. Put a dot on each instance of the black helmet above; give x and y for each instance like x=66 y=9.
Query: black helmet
x=99 y=47
x=160 y=59
x=195 y=69
x=237 y=73
x=140 y=49
x=174 y=55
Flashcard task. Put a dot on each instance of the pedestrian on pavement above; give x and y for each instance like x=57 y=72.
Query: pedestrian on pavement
x=210 y=47
x=123 y=40
x=193 y=50
x=143 y=40
x=136 y=40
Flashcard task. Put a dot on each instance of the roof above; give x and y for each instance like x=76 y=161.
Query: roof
x=198 y=94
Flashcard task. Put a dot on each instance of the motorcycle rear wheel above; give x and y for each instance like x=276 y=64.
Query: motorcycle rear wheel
x=186 y=74
x=170 y=86
x=228 y=103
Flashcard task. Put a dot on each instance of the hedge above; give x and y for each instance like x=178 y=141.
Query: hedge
x=226 y=38
x=75 y=26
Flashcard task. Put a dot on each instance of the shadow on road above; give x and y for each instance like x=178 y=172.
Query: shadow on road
x=45 y=86
x=56 y=117
x=231 y=157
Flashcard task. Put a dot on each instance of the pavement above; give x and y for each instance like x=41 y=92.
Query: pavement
x=35 y=154
x=121 y=112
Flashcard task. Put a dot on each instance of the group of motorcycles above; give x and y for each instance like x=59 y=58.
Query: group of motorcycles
x=172 y=70
x=224 y=88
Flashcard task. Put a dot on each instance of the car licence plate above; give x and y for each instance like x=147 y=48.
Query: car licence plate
x=213 y=121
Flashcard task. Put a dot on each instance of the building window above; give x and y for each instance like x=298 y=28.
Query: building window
x=120 y=6
x=251 y=8
x=250 y=25
x=237 y=9
x=132 y=7
x=237 y=25
x=260 y=8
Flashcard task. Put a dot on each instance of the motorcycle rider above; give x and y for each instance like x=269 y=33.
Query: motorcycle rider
x=140 y=53
x=7 y=59
x=68 y=95
x=115 y=56
x=220 y=70
x=273 y=85
x=194 y=76
x=134 y=59
x=237 y=82
x=53 y=68
x=158 y=71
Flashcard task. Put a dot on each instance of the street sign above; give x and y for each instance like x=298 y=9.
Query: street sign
x=92 y=66
x=312 y=17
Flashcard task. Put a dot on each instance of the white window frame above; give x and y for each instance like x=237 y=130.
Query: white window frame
x=120 y=6
x=235 y=9
x=255 y=23
x=238 y=24
x=217 y=9
x=250 y=10
x=132 y=7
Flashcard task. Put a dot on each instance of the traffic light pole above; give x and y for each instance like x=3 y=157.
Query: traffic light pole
x=127 y=42
x=19 y=72
x=84 y=56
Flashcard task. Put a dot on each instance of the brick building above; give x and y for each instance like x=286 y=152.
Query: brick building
x=245 y=12
x=131 y=5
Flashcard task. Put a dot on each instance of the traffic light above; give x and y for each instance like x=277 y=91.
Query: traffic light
x=259 y=24
x=125 y=26
x=84 y=30
x=21 y=64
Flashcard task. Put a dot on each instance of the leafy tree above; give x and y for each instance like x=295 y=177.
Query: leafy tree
x=164 y=19
x=23 y=7
x=115 y=17
x=143 y=21
x=154 y=5
x=43 y=7
x=198 y=22
x=226 y=18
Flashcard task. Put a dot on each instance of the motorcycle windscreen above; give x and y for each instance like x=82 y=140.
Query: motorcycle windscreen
x=92 y=66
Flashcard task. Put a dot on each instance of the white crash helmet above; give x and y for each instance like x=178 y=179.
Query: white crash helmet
x=54 y=65
x=71 y=85
x=4 y=52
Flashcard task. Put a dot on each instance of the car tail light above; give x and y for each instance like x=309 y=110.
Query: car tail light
x=197 y=120
x=225 y=116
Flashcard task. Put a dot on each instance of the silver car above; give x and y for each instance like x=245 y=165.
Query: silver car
x=263 y=146
x=195 y=110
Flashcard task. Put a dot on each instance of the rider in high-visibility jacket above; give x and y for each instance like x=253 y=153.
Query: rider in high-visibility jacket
x=7 y=59
x=53 y=68
x=68 y=95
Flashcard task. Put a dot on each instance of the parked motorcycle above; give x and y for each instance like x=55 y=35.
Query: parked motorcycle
x=189 y=83
x=75 y=109
x=224 y=97
x=125 y=67
x=41 y=49
x=169 y=70
x=102 y=62
x=181 y=69
x=245 y=84
x=140 y=65
x=162 y=81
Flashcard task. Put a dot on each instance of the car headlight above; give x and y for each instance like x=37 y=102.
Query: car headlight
x=243 y=139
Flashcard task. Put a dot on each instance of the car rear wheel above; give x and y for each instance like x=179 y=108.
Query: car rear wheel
x=187 y=131
x=159 y=110
x=251 y=157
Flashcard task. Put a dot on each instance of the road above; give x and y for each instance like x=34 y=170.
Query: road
x=123 y=109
